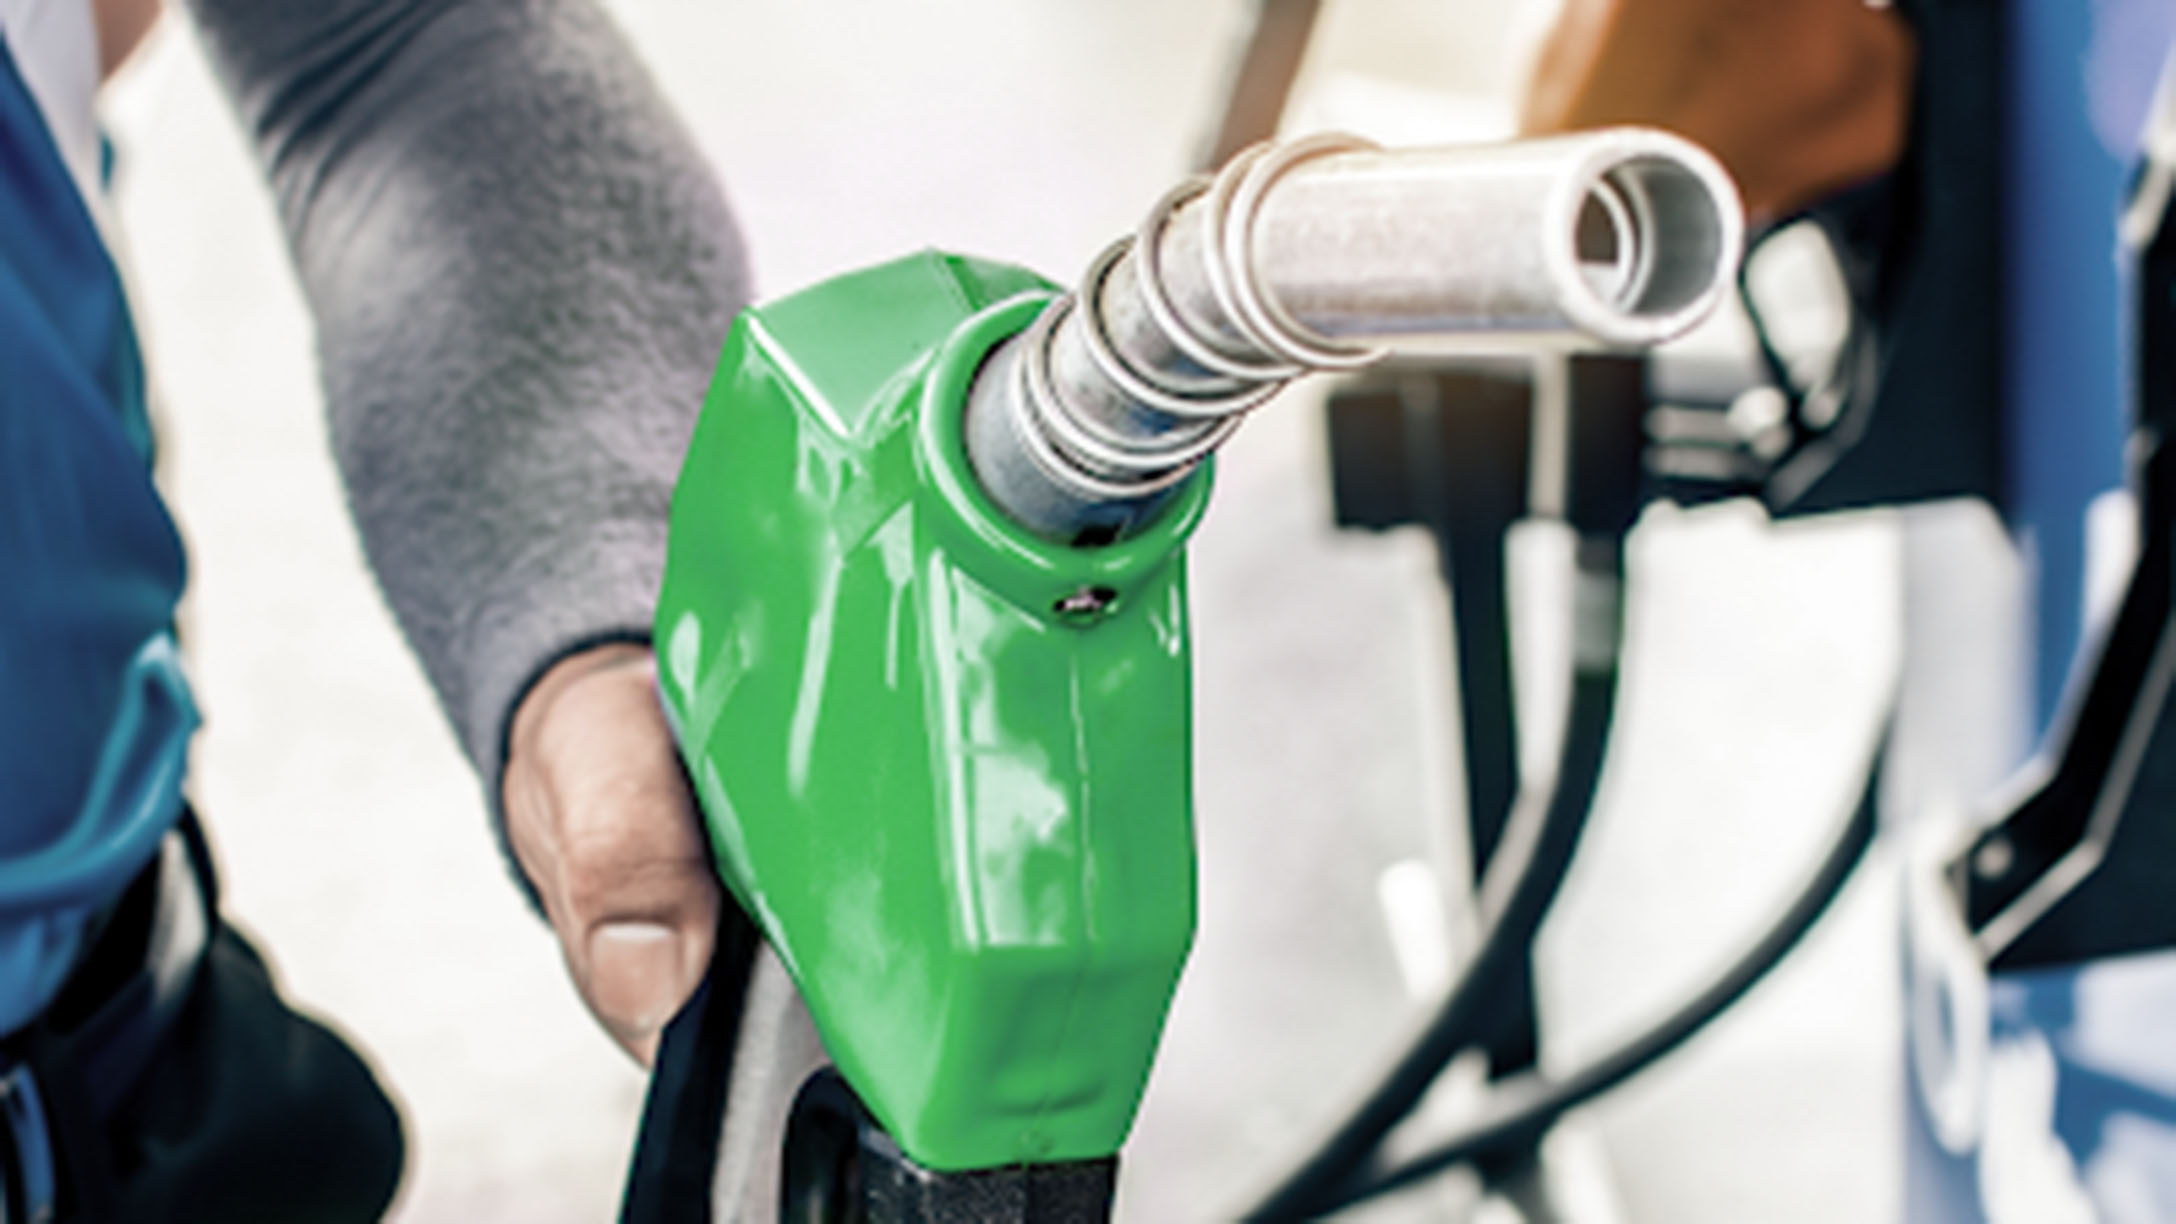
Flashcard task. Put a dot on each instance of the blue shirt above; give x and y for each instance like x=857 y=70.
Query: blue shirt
x=94 y=715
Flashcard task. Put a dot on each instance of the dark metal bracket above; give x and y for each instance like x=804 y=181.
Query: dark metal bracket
x=841 y=1167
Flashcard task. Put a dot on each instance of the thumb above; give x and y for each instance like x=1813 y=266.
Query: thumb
x=599 y=816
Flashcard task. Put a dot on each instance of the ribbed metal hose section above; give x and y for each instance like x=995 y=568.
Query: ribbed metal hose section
x=1325 y=254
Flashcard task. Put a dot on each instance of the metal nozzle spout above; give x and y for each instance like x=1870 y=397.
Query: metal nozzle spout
x=1324 y=254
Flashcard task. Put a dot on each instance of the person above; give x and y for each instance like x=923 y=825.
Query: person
x=521 y=271
x=1800 y=98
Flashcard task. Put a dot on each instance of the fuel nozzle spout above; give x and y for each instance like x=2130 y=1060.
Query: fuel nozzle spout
x=1328 y=253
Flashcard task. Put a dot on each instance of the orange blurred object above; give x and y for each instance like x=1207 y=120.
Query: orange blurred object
x=1799 y=98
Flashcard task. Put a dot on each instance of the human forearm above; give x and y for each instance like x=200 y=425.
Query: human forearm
x=521 y=271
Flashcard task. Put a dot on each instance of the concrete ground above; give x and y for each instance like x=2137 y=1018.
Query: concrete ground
x=353 y=839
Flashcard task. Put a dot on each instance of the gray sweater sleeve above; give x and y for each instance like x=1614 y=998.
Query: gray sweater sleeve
x=521 y=271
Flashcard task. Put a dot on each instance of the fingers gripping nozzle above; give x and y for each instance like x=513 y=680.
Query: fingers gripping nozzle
x=1328 y=253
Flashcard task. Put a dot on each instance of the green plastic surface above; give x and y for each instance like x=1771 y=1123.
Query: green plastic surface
x=962 y=817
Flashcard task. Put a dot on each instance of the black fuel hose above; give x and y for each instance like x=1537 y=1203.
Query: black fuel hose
x=1517 y=889
x=1518 y=1109
x=683 y=1114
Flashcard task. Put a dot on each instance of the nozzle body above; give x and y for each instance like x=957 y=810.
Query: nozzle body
x=944 y=763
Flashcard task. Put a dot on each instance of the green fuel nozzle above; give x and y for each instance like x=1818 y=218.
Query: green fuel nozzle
x=923 y=632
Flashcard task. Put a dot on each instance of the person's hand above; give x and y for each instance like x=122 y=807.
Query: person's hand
x=1798 y=98
x=601 y=821
x=121 y=26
